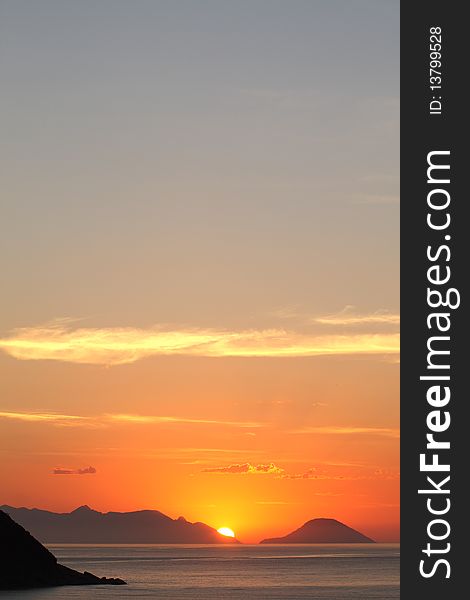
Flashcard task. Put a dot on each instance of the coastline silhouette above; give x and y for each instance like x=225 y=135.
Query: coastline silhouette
x=26 y=563
x=87 y=526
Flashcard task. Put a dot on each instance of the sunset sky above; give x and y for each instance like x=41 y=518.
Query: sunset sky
x=199 y=257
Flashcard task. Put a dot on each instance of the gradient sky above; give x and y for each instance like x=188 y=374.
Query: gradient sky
x=199 y=256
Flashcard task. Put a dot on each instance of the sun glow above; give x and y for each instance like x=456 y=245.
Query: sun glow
x=226 y=531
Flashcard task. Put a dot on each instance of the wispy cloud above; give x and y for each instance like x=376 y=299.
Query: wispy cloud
x=309 y=474
x=85 y=471
x=273 y=503
x=110 y=419
x=115 y=346
x=333 y=430
x=44 y=417
x=107 y=420
x=129 y=418
x=348 y=317
x=323 y=475
x=213 y=450
x=246 y=469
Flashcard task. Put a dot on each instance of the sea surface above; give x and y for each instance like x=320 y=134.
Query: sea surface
x=294 y=572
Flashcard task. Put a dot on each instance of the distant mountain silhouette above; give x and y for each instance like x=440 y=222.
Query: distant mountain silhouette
x=87 y=526
x=322 y=531
x=25 y=563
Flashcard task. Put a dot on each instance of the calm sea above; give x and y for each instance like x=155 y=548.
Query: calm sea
x=317 y=572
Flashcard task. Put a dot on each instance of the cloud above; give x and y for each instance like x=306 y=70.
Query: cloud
x=322 y=475
x=309 y=474
x=333 y=430
x=45 y=417
x=117 y=346
x=85 y=471
x=129 y=418
x=340 y=474
x=347 y=317
x=386 y=474
x=291 y=311
x=213 y=450
x=314 y=473
x=274 y=503
x=246 y=469
x=110 y=419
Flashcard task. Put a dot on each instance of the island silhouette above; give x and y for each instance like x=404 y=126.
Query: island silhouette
x=26 y=563
x=322 y=531
x=87 y=526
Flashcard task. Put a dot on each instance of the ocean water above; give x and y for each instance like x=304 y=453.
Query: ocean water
x=294 y=572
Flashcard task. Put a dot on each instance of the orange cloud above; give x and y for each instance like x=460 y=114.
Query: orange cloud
x=115 y=346
x=246 y=468
x=274 y=503
x=129 y=418
x=347 y=317
x=85 y=471
x=312 y=473
x=334 y=430
x=44 y=417
x=309 y=474
x=109 y=419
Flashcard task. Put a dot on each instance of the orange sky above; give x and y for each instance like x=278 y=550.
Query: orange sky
x=200 y=261
x=257 y=444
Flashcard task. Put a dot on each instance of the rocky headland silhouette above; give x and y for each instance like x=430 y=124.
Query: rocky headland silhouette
x=26 y=563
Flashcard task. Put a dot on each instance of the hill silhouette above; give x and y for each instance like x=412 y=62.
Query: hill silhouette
x=87 y=526
x=26 y=563
x=321 y=531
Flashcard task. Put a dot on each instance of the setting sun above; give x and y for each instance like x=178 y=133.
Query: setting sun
x=226 y=531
